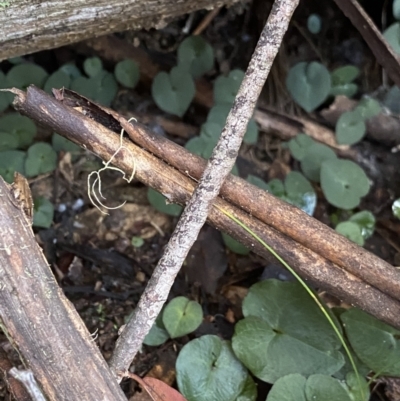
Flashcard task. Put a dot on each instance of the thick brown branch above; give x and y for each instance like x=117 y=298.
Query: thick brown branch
x=178 y=188
x=48 y=332
x=28 y=26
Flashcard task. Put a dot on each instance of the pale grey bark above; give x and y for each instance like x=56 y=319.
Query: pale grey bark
x=218 y=167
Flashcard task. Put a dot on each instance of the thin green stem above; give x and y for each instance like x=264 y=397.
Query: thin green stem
x=310 y=292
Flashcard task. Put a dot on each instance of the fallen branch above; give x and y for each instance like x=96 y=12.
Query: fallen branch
x=177 y=187
x=40 y=321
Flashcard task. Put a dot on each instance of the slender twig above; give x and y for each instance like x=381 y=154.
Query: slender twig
x=28 y=380
x=218 y=167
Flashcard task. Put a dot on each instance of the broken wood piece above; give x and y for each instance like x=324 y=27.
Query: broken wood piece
x=40 y=321
x=27 y=27
x=177 y=188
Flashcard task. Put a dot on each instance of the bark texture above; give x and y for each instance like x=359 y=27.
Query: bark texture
x=27 y=26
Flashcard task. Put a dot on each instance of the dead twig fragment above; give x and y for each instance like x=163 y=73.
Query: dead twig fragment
x=383 y=53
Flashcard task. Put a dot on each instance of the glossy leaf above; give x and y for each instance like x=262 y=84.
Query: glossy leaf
x=350 y=128
x=41 y=158
x=284 y=332
x=309 y=84
x=43 y=212
x=196 y=56
x=207 y=370
x=366 y=221
x=343 y=183
x=127 y=73
x=159 y=202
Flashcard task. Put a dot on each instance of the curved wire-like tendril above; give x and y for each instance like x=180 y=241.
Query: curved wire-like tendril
x=92 y=187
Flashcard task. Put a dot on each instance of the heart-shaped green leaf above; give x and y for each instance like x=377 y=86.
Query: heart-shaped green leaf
x=159 y=202
x=157 y=334
x=10 y=162
x=375 y=343
x=182 y=316
x=196 y=56
x=21 y=127
x=43 y=212
x=350 y=128
x=309 y=84
x=351 y=231
x=127 y=73
x=299 y=145
x=295 y=387
x=92 y=66
x=285 y=332
x=344 y=75
x=101 y=88
x=366 y=221
x=41 y=158
x=61 y=144
x=173 y=92
x=368 y=107
x=226 y=88
x=392 y=35
x=23 y=75
x=8 y=141
x=343 y=183
x=57 y=80
x=314 y=156
x=207 y=370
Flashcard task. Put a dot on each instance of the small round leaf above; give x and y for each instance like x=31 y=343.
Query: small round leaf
x=23 y=75
x=182 y=316
x=396 y=208
x=299 y=145
x=350 y=128
x=351 y=231
x=226 y=88
x=57 y=80
x=43 y=212
x=207 y=370
x=10 y=162
x=392 y=35
x=157 y=334
x=368 y=107
x=315 y=155
x=8 y=141
x=92 y=66
x=344 y=75
x=41 y=158
x=366 y=221
x=343 y=183
x=309 y=84
x=137 y=242
x=196 y=56
x=159 y=202
x=396 y=9
x=173 y=92
x=21 y=127
x=314 y=23
x=71 y=70
x=258 y=182
x=127 y=73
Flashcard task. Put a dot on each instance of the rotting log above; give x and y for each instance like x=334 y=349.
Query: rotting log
x=104 y=141
x=39 y=320
x=28 y=26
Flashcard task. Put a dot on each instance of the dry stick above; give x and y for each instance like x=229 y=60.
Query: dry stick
x=220 y=164
x=383 y=52
x=178 y=188
x=284 y=217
